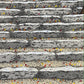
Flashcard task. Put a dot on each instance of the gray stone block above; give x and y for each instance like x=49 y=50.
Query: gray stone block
x=73 y=18
x=68 y=73
x=57 y=43
x=13 y=43
x=47 y=34
x=48 y=11
x=52 y=26
x=7 y=26
x=17 y=73
x=6 y=19
x=68 y=56
x=7 y=57
x=69 y=3
x=4 y=34
x=34 y=56
x=37 y=19
x=4 y=11
x=28 y=4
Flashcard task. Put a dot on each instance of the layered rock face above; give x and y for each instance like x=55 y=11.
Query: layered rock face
x=48 y=27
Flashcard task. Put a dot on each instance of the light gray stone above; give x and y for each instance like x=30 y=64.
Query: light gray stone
x=57 y=43
x=48 y=11
x=47 y=34
x=13 y=43
x=37 y=19
x=7 y=57
x=67 y=72
x=4 y=11
x=34 y=56
x=52 y=26
x=73 y=18
x=7 y=26
x=17 y=73
x=4 y=34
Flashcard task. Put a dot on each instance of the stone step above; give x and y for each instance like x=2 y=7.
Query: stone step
x=7 y=26
x=43 y=56
x=6 y=57
x=17 y=73
x=48 y=11
x=73 y=18
x=41 y=19
x=4 y=34
x=68 y=73
x=57 y=43
x=29 y=4
x=52 y=26
x=42 y=26
x=36 y=11
x=12 y=12
x=46 y=34
x=30 y=19
x=39 y=4
x=13 y=43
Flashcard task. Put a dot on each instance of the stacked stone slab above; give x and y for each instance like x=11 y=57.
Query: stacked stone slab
x=41 y=24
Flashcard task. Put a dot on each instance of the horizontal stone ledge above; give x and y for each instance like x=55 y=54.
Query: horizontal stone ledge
x=46 y=34
x=29 y=4
x=73 y=18
x=4 y=34
x=17 y=73
x=30 y=19
x=52 y=26
x=69 y=4
x=57 y=43
x=7 y=26
x=34 y=56
x=67 y=72
x=48 y=11
x=38 y=19
x=6 y=57
x=68 y=56
x=6 y=19
x=43 y=56
x=13 y=43
x=37 y=4
x=4 y=11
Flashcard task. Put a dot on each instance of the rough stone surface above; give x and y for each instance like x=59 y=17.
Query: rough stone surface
x=46 y=34
x=52 y=26
x=4 y=11
x=57 y=43
x=48 y=11
x=34 y=56
x=68 y=56
x=37 y=19
x=7 y=57
x=68 y=73
x=7 y=26
x=13 y=43
x=17 y=73
x=73 y=18
x=4 y=34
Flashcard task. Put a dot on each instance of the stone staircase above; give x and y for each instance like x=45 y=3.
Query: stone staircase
x=36 y=32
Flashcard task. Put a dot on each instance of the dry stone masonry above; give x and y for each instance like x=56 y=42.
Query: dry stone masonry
x=41 y=24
